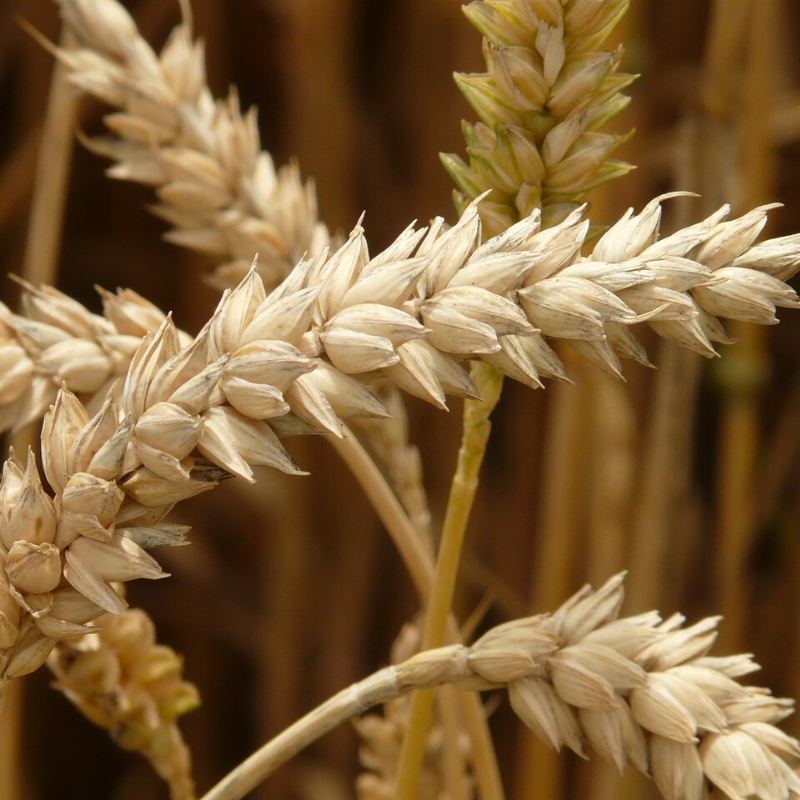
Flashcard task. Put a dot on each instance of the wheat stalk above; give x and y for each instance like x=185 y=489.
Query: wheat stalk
x=382 y=737
x=547 y=91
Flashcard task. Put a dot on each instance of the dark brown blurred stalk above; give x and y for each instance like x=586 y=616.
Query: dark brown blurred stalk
x=583 y=493
x=540 y=771
x=706 y=163
x=46 y=220
x=745 y=370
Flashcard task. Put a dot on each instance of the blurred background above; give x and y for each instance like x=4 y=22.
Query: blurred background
x=687 y=476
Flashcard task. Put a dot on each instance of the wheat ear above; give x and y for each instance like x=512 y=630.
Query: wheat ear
x=547 y=90
x=639 y=690
x=121 y=680
x=431 y=299
x=215 y=186
x=188 y=415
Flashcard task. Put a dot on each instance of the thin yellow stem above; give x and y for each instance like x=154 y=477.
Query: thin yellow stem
x=476 y=430
x=348 y=703
x=418 y=560
x=379 y=687
x=416 y=557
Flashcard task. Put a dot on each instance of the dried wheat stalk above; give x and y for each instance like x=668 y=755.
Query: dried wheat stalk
x=547 y=90
x=639 y=690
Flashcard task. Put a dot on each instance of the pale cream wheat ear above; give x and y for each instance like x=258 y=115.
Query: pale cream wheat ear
x=547 y=91
x=124 y=682
x=415 y=311
x=640 y=691
x=215 y=185
x=187 y=415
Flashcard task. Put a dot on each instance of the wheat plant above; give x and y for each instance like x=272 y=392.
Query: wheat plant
x=319 y=333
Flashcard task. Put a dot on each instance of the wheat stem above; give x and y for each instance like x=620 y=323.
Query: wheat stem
x=353 y=700
x=418 y=562
x=462 y=493
x=52 y=172
x=53 y=160
x=402 y=532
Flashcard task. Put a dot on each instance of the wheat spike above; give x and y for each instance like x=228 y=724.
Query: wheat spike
x=432 y=299
x=215 y=186
x=124 y=682
x=547 y=90
x=188 y=414
x=639 y=690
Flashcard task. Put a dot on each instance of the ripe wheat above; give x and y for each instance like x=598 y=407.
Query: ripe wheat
x=142 y=415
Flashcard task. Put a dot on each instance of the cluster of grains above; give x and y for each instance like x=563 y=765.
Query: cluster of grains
x=547 y=91
x=412 y=314
x=190 y=412
x=55 y=341
x=215 y=185
x=638 y=690
x=382 y=739
x=127 y=684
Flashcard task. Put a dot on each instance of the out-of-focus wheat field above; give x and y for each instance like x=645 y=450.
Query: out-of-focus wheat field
x=688 y=477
